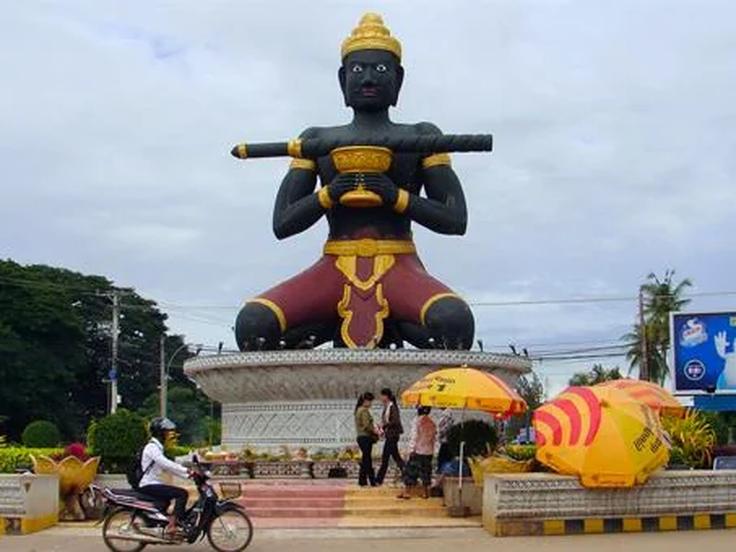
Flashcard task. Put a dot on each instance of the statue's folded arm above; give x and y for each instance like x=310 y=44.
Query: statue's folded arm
x=297 y=206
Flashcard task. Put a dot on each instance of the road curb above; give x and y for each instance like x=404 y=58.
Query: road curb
x=587 y=526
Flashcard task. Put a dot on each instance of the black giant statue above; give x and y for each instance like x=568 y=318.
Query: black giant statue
x=369 y=289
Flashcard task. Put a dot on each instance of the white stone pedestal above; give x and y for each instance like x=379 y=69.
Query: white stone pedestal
x=307 y=398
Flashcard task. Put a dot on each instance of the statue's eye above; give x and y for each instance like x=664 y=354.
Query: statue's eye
x=381 y=68
x=357 y=68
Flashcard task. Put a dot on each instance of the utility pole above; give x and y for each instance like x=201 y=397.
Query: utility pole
x=644 y=359
x=114 y=361
x=163 y=386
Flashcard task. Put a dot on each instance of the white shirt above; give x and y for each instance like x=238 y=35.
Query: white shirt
x=153 y=456
x=387 y=413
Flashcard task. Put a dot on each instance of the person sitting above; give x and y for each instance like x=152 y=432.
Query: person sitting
x=154 y=464
x=421 y=450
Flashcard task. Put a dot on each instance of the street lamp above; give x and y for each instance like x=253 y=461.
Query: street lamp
x=164 y=372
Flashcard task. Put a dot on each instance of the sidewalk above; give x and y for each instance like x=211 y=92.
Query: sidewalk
x=87 y=539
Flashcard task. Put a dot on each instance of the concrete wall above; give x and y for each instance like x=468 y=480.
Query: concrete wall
x=471 y=498
x=28 y=502
x=539 y=503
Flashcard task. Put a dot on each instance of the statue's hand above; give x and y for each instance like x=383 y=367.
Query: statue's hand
x=382 y=185
x=340 y=185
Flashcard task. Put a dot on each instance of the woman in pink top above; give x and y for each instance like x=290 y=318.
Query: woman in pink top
x=421 y=451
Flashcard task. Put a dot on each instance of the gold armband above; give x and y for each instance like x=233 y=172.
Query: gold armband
x=436 y=160
x=324 y=198
x=306 y=164
x=402 y=201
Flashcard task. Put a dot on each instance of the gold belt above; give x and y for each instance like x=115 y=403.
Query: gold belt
x=369 y=248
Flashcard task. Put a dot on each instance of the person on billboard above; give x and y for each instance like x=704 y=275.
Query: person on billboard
x=727 y=379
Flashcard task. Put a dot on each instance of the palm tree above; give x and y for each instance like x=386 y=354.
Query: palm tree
x=598 y=374
x=661 y=296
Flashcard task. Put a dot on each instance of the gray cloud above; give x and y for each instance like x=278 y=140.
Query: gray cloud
x=614 y=126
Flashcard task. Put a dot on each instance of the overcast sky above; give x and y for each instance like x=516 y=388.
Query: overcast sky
x=614 y=126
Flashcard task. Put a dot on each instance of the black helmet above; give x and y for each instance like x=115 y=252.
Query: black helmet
x=159 y=426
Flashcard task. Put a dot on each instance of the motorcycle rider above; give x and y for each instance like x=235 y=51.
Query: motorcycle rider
x=154 y=464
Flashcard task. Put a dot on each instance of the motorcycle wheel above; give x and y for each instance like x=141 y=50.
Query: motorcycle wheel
x=231 y=531
x=119 y=523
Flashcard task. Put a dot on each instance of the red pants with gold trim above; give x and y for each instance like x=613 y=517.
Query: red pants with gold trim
x=362 y=291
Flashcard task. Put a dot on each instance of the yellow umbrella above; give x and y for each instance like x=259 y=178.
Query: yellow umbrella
x=464 y=388
x=602 y=435
x=651 y=394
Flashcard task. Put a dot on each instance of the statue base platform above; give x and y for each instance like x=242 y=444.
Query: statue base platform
x=306 y=398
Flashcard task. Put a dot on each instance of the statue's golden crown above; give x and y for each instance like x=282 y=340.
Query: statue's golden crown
x=371 y=34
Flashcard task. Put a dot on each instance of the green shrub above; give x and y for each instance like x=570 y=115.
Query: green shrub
x=41 y=434
x=117 y=438
x=480 y=438
x=719 y=424
x=677 y=458
x=521 y=452
x=692 y=437
x=214 y=431
x=18 y=458
x=177 y=450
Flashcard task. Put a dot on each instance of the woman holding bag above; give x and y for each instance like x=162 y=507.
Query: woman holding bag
x=367 y=437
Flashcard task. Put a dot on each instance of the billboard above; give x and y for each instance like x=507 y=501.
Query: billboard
x=704 y=351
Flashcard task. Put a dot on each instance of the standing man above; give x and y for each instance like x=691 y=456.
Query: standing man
x=391 y=429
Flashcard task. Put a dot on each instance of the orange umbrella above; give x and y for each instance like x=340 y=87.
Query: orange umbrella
x=651 y=394
x=602 y=435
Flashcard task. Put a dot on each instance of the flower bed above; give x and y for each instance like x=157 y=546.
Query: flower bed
x=289 y=469
x=323 y=469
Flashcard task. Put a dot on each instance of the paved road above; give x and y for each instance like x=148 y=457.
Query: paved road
x=467 y=540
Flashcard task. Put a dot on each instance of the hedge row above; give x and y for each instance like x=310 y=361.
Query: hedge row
x=15 y=458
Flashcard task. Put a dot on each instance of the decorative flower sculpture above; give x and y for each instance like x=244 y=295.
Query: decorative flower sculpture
x=74 y=478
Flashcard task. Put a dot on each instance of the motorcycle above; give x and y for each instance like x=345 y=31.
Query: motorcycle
x=132 y=520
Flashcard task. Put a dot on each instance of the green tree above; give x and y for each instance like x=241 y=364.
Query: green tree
x=598 y=374
x=41 y=350
x=661 y=297
x=531 y=389
x=55 y=347
x=188 y=407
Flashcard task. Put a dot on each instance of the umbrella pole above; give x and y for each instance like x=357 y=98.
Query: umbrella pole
x=460 y=470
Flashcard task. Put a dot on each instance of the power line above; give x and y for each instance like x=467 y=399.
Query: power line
x=521 y=302
x=584 y=350
x=579 y=357
x=602 y=299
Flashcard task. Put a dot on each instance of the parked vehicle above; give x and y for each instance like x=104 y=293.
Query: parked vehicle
x=133 y=520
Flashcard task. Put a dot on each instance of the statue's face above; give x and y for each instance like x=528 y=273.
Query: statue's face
x=371 y=80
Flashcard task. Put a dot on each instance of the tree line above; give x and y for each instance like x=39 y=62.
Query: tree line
x=55 y=353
